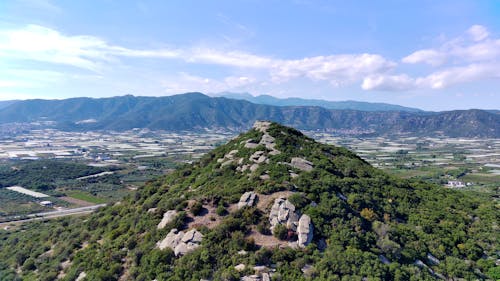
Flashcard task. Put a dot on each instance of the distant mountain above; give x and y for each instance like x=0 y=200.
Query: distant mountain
x=353 y=105
x=195 y=111
x=5 y=103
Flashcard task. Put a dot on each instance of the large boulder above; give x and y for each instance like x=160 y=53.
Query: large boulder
x=301 y=164
x=283 y=212
x=168 y=217
x=304 y=231
x=247 y=199
x=181 y=243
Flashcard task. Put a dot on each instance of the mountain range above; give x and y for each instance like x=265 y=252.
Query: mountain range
x=339 y=105
x=195 y=111
x=271 y=204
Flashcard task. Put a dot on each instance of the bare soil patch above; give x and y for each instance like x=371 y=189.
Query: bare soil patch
x=76 y=201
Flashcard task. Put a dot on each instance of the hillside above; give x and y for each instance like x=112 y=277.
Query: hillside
x=195 y=111
x=271 y=204
x=6 y=103
x=338 y=105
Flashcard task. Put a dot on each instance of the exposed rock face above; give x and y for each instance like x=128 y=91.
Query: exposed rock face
x=258 y=157
x=267 y=140
x=250 y=144
x=283 y=212
x=228 y=158
x=240 y=267
x=247 y=199
x=261 y=126
x=168 y=217
x=305 y=231
x=182 y=243
x=301 y=164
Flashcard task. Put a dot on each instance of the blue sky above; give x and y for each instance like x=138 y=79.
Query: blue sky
x=435 y=55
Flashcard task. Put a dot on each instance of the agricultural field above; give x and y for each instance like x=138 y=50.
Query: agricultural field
x=467 y=164
x=83 y=169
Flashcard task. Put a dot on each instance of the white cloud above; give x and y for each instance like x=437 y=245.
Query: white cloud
x=472 y=48
x=388 y=82
x=461 y=60
x=337 y=69
x=185 y=82
x=459 y=75
x=478 y=32
x=437 y=80
x=428 y=56
x=43 y=44
x=465 y=59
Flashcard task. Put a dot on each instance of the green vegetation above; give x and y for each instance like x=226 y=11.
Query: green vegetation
x=43 y=174
x=359 y=212
x=176 y=113
x=77 y=194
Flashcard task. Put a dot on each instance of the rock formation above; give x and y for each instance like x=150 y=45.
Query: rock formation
x=304 y=231
x=247 y=199
x=283 y=212
x=168 y=217
x=301 y=164
x=180 y=242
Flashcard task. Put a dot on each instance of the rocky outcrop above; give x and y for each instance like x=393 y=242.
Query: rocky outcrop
x=304 y=231
x=301 y=164
x=261 y=126
x=267 y=140
x=168 y=217
x=247 y=199
x=258 y=157
x=228 y=158
x=250 y=144
x=181 y=243
x=283 y=212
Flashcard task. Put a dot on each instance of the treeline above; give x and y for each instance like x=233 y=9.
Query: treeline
x=43 y=174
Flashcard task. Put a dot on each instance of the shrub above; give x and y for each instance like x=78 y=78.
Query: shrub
x=196 y=208
x=280 y=232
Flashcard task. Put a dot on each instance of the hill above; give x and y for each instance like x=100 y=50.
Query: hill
x=338 y=105
x=271 y=203
x=6 y=103
x=195 y=111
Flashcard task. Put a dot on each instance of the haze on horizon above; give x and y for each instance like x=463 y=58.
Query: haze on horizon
x=431 y=55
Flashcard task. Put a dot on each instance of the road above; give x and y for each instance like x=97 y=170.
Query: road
x=51 y=214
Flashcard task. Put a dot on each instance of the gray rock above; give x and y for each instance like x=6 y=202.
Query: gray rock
x=260 y=268
x=247 y=199
x=250 y=144
x=261 y=126
x=283 y=212
x=305 y=231
x=181 y=249
x=266 y=277
x=251 y=278
x=240 y=267
x=301 y=164
x=265 y=177
x=254 y=167
x=256 y=155
x=172 y=239
x=181 y=242
x=168 y=217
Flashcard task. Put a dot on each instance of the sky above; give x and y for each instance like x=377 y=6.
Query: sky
x=434 y=55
